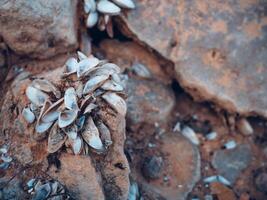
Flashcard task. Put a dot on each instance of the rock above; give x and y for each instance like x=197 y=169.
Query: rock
x=212 y=45
x=222 y=192
x=260 y=181
x=80 y=177
x=126 y=54
x=181 y=170
x=39 y=29
x=23 y=154
x=11 y=191
x=148 y=102
x=230 y=163
x=152 y=167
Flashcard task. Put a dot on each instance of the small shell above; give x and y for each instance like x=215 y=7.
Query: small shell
x=46 y=86
x=66 y=118
x=116 y=102
x=94 y=83
x=107 y=69
x=190 y=134
x=71 y=131
x=111 y=85
x=52 y=113
x=92 y=19
x=91 y=135
x=76 y=145
x=36 y=96
x=71 y=65
x=28 y=115
x=210 y=179
x=223 y=180
x=56 y=139
x=125 y=3
x=42 y=191
x=211 y=136
x=86 y=65
x=141 y=70
x=81 y=55
x=89 y=6
x=89 y=108
x=104 y=133
x=42 y=127
x=177 y=127
x=6 y=158
x=80 y=122
x=70 y=99
x=244 y=127
x=107 y=7
x=79 y=90
x=230 y=144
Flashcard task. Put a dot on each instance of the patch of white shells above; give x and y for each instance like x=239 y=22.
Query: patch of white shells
x=100 y=11
x=70 y=118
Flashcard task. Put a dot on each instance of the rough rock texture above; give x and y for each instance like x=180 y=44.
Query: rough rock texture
x=230 y=163
x=219 y=47
x=38 y=28
x=125 y=54
x=181 y=170
x=113 y=167
x=12 y=191
x=148 y=102
x=78 y=174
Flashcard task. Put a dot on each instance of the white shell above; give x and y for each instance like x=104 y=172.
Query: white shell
x=36 y=96
x=52 y=113
x=71 y=65
x=111 y=85
x=190 y=134
x=89 y=108
x=107 y=7
x=56 y=139
x=71 y=131
x=116 y=102
x=42 y=127
x=70 y=99
x=211 y=136
x=141 y=70
x=230 y=144
x=94 y=83
x=125 y=3
x=81 y=55
x=177 y=127
x=92 y=19
x=244 y=127
x=66 y=118
x=80 y=122
x=89 y=5
x=76 y=145
x=46 y=86
x=86 y=65
x=91 y=135
x=28 y=115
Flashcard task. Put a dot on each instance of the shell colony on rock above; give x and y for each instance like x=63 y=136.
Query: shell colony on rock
x=71 y=115
x=100 y=12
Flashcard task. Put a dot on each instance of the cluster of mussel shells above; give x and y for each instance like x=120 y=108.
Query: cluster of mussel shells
x=100 y=12
x=71 y=115
x=46 y=189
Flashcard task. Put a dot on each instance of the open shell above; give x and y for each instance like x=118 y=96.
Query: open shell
x=46 y=86
x=52 y=113
x=116 y=102
x=91 y=135
x=70 y=99
x=66 y=118
x=107 y=7
x=28 y=115
x=56 y=139
x=104 y=134
x=86 y=65
x=36 y=96
x=94 y=83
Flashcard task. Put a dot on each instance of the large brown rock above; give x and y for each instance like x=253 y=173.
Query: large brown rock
x=38 y=28
x=218 y=47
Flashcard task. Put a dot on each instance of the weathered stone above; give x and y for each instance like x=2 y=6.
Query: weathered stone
x=181 y=170
x=11 y=191
x=218 y=47
x=39 y=29
x=230 y=163
x=78 y=174
x=23 y=154
x=148 y=102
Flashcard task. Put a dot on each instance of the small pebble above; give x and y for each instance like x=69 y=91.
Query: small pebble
x=211 y=136
x=141 y=70
x=152 y=167
x=230 y=144
x=244 y=127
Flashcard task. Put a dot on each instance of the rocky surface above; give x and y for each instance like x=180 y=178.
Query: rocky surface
x=39 y=29
x=230 y=163
x=78 y=174
x=218 y=48
x=180 y=171
x=112 y=167
x=148 y=102
x=12 y=191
